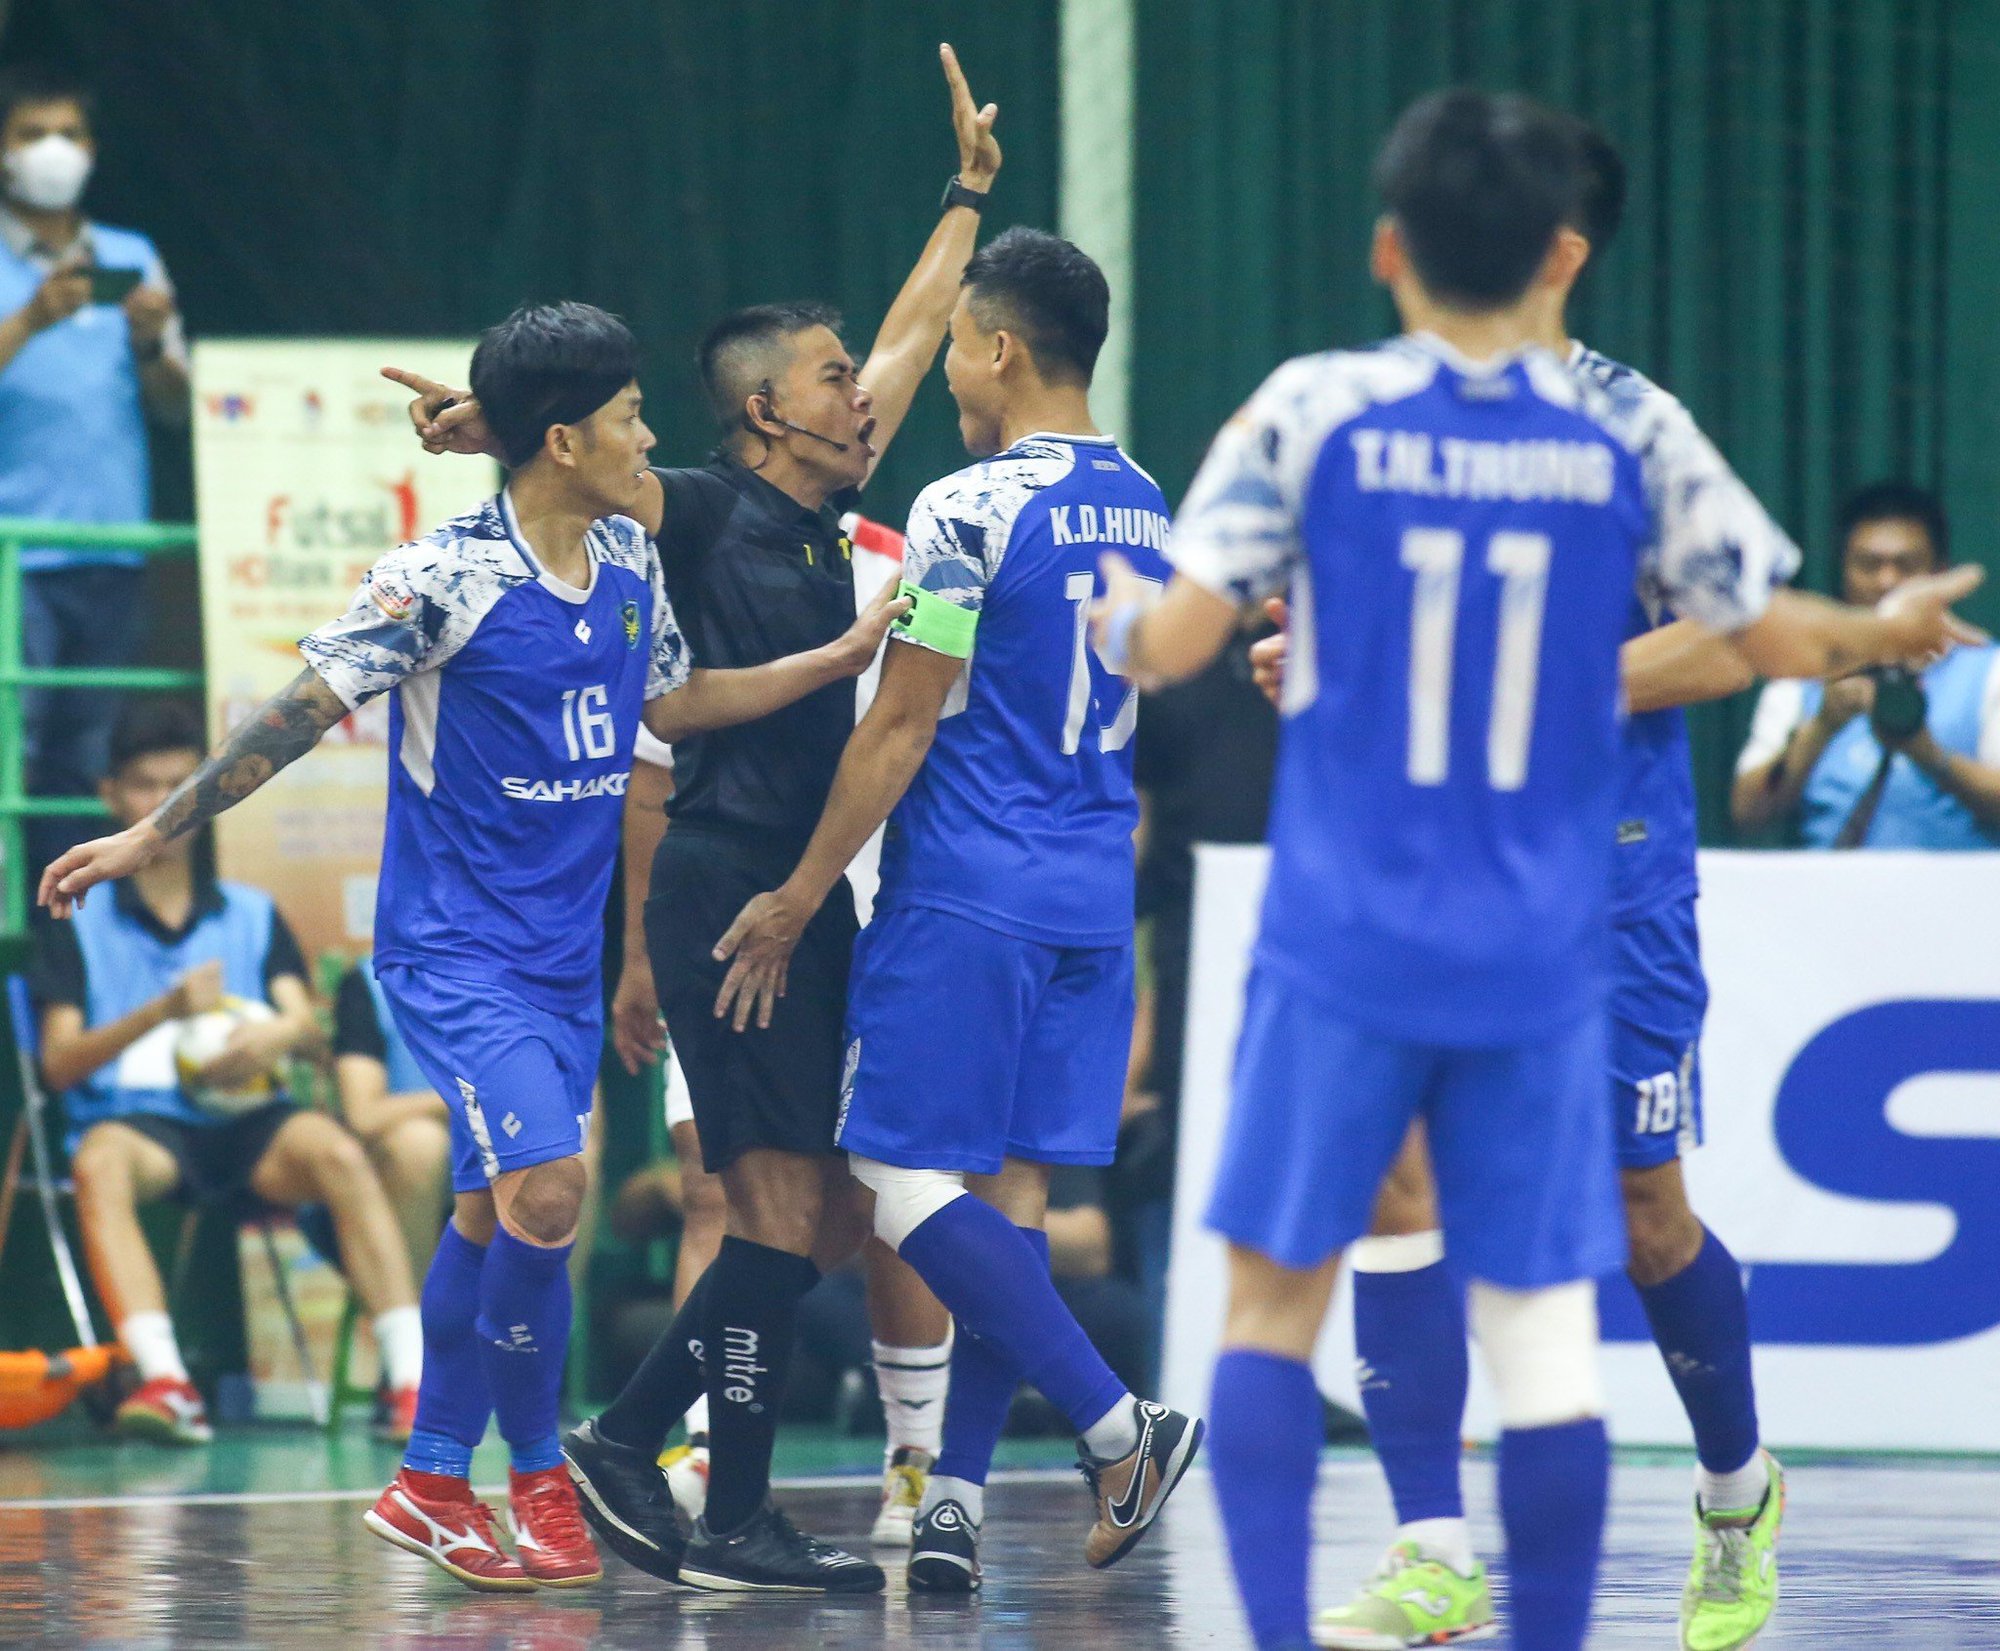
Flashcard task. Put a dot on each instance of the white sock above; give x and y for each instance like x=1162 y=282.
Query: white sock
x=149 y=1338
x=970 y=1497
x=1115 y=1434
x=1735 y=1492
x=1446 y=1539
x=697 y=1420
x=399 y=1338
x=912 y=1382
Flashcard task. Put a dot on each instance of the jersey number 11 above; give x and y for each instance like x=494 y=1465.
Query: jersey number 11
x=1521 y=560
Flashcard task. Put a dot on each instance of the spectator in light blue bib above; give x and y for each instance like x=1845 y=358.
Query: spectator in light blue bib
x=1882 y=759
x=90 y=347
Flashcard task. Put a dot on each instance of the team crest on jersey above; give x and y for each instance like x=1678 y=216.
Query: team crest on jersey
x=630 y=614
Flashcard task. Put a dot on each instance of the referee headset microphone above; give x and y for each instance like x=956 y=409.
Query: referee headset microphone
x=771 y=413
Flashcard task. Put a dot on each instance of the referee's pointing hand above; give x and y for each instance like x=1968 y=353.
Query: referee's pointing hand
x=761 y=942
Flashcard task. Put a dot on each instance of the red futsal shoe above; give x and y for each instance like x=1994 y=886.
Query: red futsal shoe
x=549 y=1533
x=435 y=1516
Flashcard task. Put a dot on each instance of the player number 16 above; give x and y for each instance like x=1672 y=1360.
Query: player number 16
x=588 y=728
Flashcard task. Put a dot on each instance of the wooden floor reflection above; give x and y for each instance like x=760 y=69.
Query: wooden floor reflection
x=1875 y=1555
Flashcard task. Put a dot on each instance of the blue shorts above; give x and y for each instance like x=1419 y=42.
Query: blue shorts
x=1520 y=1142
x=1658 y=999
x=967 y=1046
x=517 y=1077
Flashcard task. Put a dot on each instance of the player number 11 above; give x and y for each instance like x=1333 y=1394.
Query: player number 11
x=1435 y=555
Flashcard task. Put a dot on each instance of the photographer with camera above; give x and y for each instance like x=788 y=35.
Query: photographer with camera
x=1887 y=758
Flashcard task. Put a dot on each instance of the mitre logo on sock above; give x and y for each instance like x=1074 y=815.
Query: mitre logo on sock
x=740 y=1368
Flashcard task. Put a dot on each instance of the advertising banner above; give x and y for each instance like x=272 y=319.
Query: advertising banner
x=1852 y=1082
x=305 y=473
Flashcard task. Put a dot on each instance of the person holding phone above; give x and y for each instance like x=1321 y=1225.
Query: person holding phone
x=90 y=349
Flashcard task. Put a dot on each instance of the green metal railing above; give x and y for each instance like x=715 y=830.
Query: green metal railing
x=16 y=806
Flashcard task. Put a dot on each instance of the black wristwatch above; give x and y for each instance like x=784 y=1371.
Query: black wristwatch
x=956 y=194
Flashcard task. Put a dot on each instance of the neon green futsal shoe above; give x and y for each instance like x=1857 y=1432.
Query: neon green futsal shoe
x=1414 y=1600
x=1733 y=1582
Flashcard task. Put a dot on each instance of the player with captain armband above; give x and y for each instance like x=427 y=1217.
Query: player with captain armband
x=1461 y=522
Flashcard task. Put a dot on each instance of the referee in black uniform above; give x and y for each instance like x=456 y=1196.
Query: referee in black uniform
x=757 y=567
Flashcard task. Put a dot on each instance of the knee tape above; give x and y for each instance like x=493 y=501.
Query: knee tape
x=1540 y=1347
x=1397 y=1252
x=905 y=1198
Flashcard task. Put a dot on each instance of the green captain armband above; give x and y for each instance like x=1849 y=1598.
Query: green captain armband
x=932 y=622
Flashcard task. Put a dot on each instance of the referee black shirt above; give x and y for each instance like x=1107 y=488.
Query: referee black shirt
x=753 y=576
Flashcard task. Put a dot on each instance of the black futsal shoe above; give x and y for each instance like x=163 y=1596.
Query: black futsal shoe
x=944 y=1551
x=624 y=1495
x=769 y=1554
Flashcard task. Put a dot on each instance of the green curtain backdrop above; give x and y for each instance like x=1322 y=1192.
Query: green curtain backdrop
x=1810 y=258
x=417 y=167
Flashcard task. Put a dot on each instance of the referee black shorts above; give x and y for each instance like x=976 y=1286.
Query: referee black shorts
x=776 y=1086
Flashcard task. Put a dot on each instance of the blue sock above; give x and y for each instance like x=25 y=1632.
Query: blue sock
x=983 y=1383
x=1264 y=1435
x=1409 y=1336
x=997 y=1285
x=1554 y=1482
x=454 y=1403
x=524 y=1333
x=1701 y=1320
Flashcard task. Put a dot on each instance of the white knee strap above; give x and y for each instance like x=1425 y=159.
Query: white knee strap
x=1397 y=1252
x=1540 y=1347
x=904 y=1198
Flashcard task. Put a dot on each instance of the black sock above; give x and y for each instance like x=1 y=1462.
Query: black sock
x=668 y=1379
x=753 y=1308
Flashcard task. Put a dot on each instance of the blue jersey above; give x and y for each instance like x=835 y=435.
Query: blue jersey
x=510 y=742
x=1022 y=814
x=1655 y=863
x=1463 y=543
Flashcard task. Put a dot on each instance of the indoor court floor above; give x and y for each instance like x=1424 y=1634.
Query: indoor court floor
x=259 y=1542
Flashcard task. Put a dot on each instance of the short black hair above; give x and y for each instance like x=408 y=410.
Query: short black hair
x=549 y=364
x=1896 y=501
x=1048 y=291
x=1478 y=183
x=25 y=83
x=745 y=349
x=1600 y=191
x=154 y=725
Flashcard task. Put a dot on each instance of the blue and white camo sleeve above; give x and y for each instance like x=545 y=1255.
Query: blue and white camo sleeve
x=945 y=549
x=396 y=624
x=1715 y=553
x=1237 y=533
x=671 y=661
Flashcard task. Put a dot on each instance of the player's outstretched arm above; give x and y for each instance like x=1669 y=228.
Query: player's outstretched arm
x=1157 y=640
x=1682 y=663
x=1803 y=635
x=881 y=758
x=288 y=725
x=907 y=342
x=721 y=699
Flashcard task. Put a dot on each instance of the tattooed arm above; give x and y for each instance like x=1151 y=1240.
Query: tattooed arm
x=287 y=726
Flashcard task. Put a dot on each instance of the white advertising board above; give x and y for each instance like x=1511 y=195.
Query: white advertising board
x=1852 y=1078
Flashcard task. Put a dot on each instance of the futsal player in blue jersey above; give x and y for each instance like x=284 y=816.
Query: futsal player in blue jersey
x=990 y=1013
x=1462 y=522
x=1409 y=1305
x=524 y=643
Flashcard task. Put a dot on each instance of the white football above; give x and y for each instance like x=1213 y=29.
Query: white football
x=202 y=1037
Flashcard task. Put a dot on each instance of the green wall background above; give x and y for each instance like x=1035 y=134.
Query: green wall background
x=1811 y=259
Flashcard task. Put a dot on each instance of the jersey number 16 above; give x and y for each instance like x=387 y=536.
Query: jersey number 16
x=1078 y=589
x=1521 y=560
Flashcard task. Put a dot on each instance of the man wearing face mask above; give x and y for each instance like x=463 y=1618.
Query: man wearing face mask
x=90 y=347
